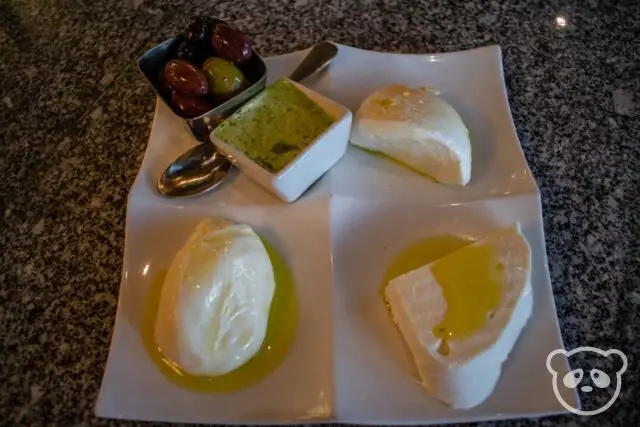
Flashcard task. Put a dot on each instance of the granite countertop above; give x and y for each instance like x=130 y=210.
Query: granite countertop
x=75 y=116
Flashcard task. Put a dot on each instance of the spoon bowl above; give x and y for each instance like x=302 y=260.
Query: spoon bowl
x=197 y=171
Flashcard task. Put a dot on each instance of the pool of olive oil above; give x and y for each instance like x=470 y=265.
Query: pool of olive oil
x=281 y=333
x=419 y=253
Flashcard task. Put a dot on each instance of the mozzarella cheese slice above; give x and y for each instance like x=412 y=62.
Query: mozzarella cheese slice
x=462 y=314
x=215 y=301
x=417 y=128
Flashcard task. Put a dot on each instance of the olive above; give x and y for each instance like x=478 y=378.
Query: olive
x=189 y=106
x=191 y=53
x=225 y=79
x=199 y=30
x=230 y=43
x=185 y=78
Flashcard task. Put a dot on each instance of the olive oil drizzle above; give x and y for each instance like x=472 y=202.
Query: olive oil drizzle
x=420 y=253
x=465 y=315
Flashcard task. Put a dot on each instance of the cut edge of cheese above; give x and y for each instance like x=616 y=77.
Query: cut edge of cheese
x=417 y=128
x=469 y=373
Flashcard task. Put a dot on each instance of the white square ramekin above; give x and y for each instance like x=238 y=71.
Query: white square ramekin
x=310 y=164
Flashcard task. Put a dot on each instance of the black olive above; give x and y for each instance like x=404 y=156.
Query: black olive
x=188 y=106
x=191 y=53
x=199 y=30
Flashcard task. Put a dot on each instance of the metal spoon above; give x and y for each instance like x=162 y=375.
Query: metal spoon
x=202 y=168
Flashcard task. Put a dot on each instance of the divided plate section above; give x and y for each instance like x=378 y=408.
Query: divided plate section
x=301 y=388
x=375 y=376
x=169 y=139
x=473 y=83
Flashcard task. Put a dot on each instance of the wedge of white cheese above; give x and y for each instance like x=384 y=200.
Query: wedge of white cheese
x=462 y=314
x=215 y=300
x=418 y=128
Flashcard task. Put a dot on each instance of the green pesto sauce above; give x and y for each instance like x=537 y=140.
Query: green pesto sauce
x=275 y=126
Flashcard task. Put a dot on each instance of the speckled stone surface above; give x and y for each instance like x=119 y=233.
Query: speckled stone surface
x=75 y=116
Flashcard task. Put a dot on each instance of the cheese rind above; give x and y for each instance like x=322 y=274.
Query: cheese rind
x=417 y=128
x=468 y=373
x=215 y=300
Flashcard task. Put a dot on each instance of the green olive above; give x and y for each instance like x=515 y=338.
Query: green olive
x=225 y=79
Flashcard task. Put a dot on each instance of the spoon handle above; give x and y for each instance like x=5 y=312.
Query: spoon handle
x=318 y=58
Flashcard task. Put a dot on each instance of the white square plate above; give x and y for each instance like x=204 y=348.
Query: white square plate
x=375 y=377
x=134 y=388
x=348 y=362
